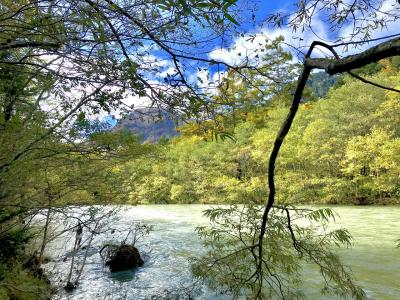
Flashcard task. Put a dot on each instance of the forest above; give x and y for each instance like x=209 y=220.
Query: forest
x=271 y=137
x=338 y=152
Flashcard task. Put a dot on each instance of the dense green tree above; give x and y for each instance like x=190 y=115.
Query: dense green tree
x=61 y=63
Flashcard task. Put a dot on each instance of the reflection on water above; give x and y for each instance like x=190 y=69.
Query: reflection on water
x=374 y=259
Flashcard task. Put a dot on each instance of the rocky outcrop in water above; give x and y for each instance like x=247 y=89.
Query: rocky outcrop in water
x=123 y=257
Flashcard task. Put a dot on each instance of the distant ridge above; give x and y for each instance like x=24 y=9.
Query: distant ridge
x=320 y=83
x=150 y=124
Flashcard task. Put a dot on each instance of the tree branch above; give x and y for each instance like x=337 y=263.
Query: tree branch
x=331 y=66
x=42 y=45
x=374 y=54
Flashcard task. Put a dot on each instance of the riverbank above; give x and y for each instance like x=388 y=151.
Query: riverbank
x=19 y=283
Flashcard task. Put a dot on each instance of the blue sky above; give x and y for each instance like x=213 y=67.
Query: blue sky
x=301 y=40
x=263 y=8
x=227 y=51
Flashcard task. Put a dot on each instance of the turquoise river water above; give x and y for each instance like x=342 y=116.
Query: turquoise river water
x=374 y=259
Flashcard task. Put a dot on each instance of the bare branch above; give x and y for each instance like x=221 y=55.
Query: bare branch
x=39 y=45
x=331 y=66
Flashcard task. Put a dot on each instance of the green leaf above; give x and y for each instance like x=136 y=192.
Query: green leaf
x=231 y=19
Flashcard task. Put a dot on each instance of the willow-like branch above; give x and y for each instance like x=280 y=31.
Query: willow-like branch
x=331 y=66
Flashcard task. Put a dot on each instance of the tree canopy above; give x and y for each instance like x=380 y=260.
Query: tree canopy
x=66 y=63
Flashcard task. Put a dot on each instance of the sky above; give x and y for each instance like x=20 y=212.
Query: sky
x=233 y=49
x=321 y=30
x=249 y=16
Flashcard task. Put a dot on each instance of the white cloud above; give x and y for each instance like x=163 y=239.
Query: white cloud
x=171 y=70
x=245 y=48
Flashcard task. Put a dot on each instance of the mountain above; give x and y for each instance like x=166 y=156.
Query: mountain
x=320 y=83
x=150 y=123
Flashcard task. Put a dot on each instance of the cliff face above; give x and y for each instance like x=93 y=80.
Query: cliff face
x=149 y=123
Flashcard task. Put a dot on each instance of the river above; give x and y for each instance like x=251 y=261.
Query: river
x=374 y=259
